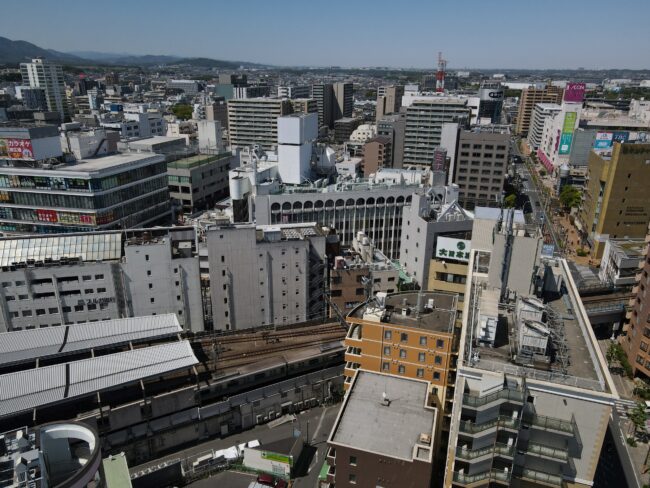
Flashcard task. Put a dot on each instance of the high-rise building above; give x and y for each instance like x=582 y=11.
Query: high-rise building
x=254 y=121
x=425 y=116
x=541 y=112
x=344 y=127
x=491 y=95
x=217 y=109
x=529 y=98
x=376 y=154
x=49 y=77
x=393 y=126
x=615 y=201
x=323 y=93
x=34 y=98
x=389 y=100
x=294 y=91
x=343 y=101
x=482 y=165
x=304 y=105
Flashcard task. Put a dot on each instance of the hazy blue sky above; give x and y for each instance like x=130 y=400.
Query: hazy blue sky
x=404 y=33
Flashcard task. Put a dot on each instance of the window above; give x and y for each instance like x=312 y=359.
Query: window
x=402 y=353
x=353 y=460
x=148 y=272
x=403 y=337
x=23 y=297
x=386 y=350
x=401 y=369
x=436 y=375
x=66 y=309
x=388 y=334
x=40 y=311
x=440 y=343
x=92 y=306
x=99 y=276
x=152 y=299
x=352 y=478
x=438 y=360
x=421 y=357
x=420 y=373
x=423 y=340
x=53 y=310
x=644 y=346
x=150 y=286
x=360 y=291
x=86 y=277
x=336 y=293
x=78 y=308
x=146 y=257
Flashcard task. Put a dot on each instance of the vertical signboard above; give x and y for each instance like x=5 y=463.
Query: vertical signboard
x=574 y=92
x=567 y=132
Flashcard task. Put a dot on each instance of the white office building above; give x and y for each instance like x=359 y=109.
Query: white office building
x=48 y=76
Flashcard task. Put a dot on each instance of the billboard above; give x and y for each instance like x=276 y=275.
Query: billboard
x=621 y=136
x=548 y=250
x=449 y=248
x=574 y=92
x=16 y=149
x=567 y=132
x=603 y=140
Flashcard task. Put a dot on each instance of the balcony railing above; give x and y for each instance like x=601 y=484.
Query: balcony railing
x=502 y=449
x=541 y=477
x=505 y=394
x=550 y=423
x=493 y=475
x=472 y=428
x=546 y=451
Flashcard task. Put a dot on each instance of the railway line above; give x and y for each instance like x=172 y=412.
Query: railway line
x=274 y=336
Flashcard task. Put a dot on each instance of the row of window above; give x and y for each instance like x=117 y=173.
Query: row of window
x=403 y=354
x=401 y=369
x=404 y=337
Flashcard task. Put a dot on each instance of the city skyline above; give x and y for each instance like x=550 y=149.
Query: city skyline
x=408 y=37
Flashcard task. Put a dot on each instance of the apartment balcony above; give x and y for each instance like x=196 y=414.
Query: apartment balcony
x=501 y=396
x=476 y=455
x=546 y=452
x=540 y=478
x=331 y=474
x=480 y=479
x=331 y=456
x=550 y=424
x=500 y=422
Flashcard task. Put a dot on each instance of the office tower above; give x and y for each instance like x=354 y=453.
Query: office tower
x=383 y=435
x=282 y=266
x=294 y=91
x=393 y=126
x=389 y=100
x=254 y=121
x=49 y=77
x=323 y=93
x=304 y=105
x=541 y=112
x=616 y=202
x=529 y=98
x=217 y=109
x=34 y=98
x=490 y=96
x=343 y=101
x=376 y=154
x=344 y=127
x=482 y=165
x=424 y=119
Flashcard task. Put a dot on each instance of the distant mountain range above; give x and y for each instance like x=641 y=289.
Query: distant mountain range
x=12 y=52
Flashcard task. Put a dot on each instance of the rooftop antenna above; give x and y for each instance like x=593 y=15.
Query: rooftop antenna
x=440 y=74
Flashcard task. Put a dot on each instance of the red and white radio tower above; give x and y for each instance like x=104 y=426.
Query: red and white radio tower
x=440 y=74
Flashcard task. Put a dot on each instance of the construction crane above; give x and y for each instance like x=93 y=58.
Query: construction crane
x=440 y=74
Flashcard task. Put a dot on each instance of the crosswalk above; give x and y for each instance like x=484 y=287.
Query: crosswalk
x=622 y=405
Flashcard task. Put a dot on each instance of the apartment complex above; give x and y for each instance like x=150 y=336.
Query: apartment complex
x=530 y=97
x=198 y=182
x=377 y=154
x=344 y=127
x=304 y=105
x=392 y=126
x=615 y=202
x=92 y=277
x=383 y=434
x=294 y=91
x=541 y=112
x=343 y=101
x=48 y=77
x=389 y=100
x=254 y=121
x=323 y=93
x=425 y=116
x=482 y=165
x=282 y=267
x=636 y=337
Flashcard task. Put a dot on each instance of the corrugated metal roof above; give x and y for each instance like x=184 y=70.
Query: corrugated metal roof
x=33 y=388
x=26 y=345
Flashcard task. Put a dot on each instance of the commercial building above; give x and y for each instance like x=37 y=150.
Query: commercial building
x=278 y=458
x=217 y=110
x=389 y=100
x=621 y=261
x=425 y=116
x=541 y=112
x=294 y=91
x=304 y=106
x=359 y=272
x=282 y=266
x=636 y=337
x=482 y=165
x=377 y=154
x=344 y=127
x=58 y=454
x=530 y=97
x=491 y=95
x=87 y=143
x=392 y=126
x=190 y=87
x=383 y=434
x=198 y=182
x=254 y=121
x=251 y=91
x=34 y=98
x=72 y=278
x=49 y=77
x=615 y=203
x=323 y=93
x=342 y=101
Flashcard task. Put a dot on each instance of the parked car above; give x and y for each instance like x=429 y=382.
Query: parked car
x=266 y=479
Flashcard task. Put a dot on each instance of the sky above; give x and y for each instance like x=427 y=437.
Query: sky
x=533 y=34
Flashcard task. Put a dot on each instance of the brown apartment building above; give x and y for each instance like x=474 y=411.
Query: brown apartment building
x=376 y=154
x=615 y=202
x=636 y=340
x=529 y=98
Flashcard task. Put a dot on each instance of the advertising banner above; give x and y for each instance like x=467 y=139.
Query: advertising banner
x=574 y=92
x=567 y=132
x=448 y=248
x=280 y=458
x=565 y=143
x=16 y=149
x=603 y=140
x=621 y=136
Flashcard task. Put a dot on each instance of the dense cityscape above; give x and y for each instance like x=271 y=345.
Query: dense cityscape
x=236 y=274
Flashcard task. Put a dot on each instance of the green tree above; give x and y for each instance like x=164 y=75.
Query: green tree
x=510 y=200
x=570 y=197
x=611 y=354
x=638 y=416
x=182 y=111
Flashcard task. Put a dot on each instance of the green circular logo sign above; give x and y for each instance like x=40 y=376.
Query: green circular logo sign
x=460 y=245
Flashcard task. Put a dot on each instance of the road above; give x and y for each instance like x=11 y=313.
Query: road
x=315 y=423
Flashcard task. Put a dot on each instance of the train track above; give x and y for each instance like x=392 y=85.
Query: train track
x=271 y=336
x=278 y=348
